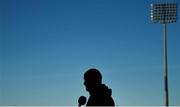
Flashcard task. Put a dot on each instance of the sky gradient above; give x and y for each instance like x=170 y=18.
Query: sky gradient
x=47 y=45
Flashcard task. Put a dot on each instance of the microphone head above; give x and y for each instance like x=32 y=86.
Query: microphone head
x=82 y=100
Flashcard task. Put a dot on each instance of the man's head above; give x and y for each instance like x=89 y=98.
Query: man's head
x=92 y=78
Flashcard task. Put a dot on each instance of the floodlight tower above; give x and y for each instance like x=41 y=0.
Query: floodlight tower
x=164 y=13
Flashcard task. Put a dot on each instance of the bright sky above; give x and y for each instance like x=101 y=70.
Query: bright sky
x=47 y=45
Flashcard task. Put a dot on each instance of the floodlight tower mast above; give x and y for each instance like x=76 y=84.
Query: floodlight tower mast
x=164 y=13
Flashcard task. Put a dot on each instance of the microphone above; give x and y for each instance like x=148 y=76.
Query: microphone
x=81 y=100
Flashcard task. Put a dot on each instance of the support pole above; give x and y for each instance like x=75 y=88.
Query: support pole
x=165 y=68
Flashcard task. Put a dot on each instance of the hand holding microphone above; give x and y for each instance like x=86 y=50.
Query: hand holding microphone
x=81 y=100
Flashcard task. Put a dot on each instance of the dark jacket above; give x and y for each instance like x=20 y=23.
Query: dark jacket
x=102 y=97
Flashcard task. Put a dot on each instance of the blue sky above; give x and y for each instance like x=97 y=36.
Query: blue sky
x=47 y=45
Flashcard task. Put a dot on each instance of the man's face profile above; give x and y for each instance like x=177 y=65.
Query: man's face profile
x=92 y=78
x=88 y=84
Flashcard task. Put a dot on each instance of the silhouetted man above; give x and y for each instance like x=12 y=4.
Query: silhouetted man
x=100 y=94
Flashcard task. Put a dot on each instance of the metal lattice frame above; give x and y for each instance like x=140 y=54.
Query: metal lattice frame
x=164 y=13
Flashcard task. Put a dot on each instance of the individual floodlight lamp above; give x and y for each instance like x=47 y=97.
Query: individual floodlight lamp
x=164 y=13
